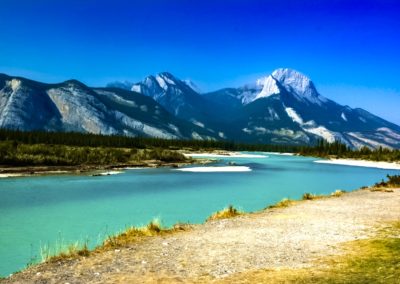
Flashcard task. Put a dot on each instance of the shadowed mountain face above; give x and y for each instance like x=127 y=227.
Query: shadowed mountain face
x=282 y=108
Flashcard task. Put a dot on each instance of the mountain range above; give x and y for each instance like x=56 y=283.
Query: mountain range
x=281 y=108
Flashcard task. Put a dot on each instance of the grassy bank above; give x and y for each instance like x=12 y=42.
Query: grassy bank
x=374 y=260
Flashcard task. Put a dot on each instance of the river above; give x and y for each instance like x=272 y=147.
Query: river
x=50 y=211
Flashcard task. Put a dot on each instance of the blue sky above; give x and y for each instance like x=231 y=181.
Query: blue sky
x=350 y=49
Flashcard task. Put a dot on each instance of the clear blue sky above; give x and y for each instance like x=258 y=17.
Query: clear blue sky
x=350 y=49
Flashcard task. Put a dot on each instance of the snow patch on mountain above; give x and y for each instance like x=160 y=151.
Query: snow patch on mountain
x=269 y=87
x=368 y=141
x=174 y=128
x=162 y=82
x=15 y=84
x=311 y=127
x=136 y=88
x=343 y=116
x=168 y=78
x=294 y=116
x=117 y=98
x=198 y=123
x=389 y=132
x=322 y=132
x=196 y=136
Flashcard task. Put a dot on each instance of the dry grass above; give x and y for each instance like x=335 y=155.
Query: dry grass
x=381 y=189
x=135 y=234
x=338 y=193
x=129 y=236
x=226 y=213
x=132 y=235
x=62 y=252
x=286 y=202
x=311 y=196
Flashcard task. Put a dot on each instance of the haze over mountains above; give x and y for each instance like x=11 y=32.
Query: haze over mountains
x=281 y=108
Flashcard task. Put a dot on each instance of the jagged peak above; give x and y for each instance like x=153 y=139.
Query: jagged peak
x=299 y=84
x=167 y=75
x=292 y=78
x=287 y=72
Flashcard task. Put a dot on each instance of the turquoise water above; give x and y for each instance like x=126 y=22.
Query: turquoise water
x=40 y=211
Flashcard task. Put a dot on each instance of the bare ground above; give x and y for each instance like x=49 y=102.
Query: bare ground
x=282 y=238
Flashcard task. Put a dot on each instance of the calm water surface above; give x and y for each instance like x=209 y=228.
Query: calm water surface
x=45 y=211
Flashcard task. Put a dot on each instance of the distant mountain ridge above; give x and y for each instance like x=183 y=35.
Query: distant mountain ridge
x=72 y=106
x=281 y=108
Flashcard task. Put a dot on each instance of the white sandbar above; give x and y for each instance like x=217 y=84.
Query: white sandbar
x=215 y=169
x=361 y=163
x=111 y=173
x=10 y=175
x=230 y=155
x=280 y=154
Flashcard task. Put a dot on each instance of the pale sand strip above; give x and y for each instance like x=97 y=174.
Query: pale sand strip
x=361 y=163
x=10 y=175
x=230 y=155
x=111 y=173
x=215 y=169
x=279 y=153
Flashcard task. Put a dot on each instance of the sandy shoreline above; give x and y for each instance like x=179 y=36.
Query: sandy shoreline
x=361 y=163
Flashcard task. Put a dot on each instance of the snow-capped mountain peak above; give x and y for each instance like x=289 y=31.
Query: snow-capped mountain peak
x=293 y=78
x=165 y=79
x=294 y=82
x=299 y=85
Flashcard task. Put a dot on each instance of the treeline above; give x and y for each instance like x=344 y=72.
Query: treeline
x=325 y=149
x=117 y=141
x=113 y=148
x=17 y=154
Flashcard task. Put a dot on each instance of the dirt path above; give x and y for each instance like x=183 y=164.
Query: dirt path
x=276 y=238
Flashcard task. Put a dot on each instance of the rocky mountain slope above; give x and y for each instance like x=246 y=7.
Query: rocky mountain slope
x=283 y=107
x=72 y=106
